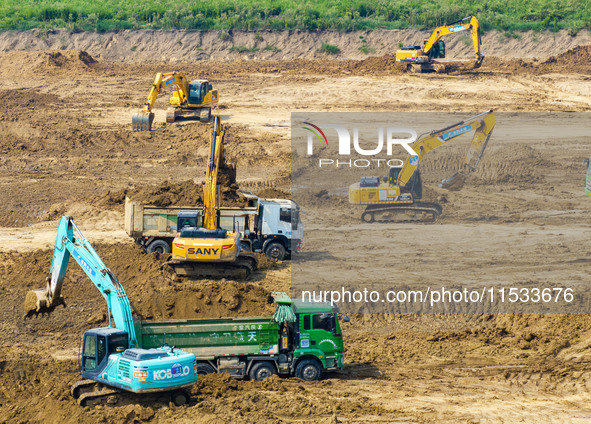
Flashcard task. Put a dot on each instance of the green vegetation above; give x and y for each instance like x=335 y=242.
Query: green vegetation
x=511 y=34
x=329 y=48
x=271 y=48
x=365 y=49
x=346 y=15
x=244 y=49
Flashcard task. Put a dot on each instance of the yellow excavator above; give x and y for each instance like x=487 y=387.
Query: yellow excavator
x=420 y=59
x=395 y=198
x=201 y=247
x=195 y=98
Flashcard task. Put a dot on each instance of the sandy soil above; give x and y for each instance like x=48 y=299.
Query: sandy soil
x=67 y=148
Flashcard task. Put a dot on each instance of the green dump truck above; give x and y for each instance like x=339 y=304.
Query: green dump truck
x=301 y=339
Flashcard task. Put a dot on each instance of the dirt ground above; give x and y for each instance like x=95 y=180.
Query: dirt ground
x=66 y=147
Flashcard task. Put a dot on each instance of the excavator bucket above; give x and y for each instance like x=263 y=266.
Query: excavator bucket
x=37 y=302
x=478 y=62
x=142 y=121
x=455 y=182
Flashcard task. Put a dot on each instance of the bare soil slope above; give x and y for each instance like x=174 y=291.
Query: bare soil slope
x=149 y=46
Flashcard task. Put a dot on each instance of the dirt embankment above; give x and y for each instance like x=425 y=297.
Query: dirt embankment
x=185 y=46
x=76 y=62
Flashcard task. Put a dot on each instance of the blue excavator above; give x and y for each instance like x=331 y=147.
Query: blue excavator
x=113 y=365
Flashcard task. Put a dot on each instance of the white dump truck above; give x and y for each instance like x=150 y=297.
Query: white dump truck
x=269 y=226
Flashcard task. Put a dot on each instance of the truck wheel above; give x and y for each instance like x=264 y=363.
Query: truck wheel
x=275 y=251
x=309 y=370
x=159 y=246
x=261 y=370
x=180 y=397
x=203 y=369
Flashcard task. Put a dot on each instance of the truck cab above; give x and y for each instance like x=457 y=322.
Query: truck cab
x=278 y=229
x=318 y=336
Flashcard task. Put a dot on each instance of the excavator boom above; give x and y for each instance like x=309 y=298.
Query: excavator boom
x=469 y=23
x=482 y=125
x=71 y=242
x=142 y=120
x=211 y=178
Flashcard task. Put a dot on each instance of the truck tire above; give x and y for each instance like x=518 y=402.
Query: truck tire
x=203 y=369
x=275 y=250
x=160 y=246
x=262 y=370
x=309 y=370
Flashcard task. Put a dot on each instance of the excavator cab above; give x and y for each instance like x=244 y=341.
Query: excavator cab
x=197 y=91
x=393 y=176
x=414 y=185
x=188 y=218
x=437 y=51
x=98 y=344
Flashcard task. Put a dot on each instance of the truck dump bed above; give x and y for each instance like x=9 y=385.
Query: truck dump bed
x=152 y=221
x=209 y=338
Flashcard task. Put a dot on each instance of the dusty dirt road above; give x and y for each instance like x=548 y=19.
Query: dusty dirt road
x=66 y=147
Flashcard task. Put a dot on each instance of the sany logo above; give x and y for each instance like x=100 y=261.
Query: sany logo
x=345 y=139
x=177 y=370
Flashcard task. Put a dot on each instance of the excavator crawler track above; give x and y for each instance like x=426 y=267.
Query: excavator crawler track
x=89 y=393
x=423 y=212
x=100 y=396
x=171 y=115
x=205 y=114
x=82 y=387
x=241 y=269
